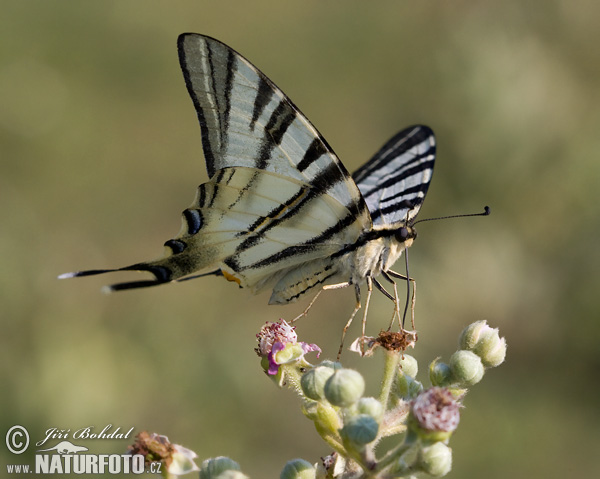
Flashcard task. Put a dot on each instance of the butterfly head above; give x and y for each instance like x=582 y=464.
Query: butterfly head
x=406 y=234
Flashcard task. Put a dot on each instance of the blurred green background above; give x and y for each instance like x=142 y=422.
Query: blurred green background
x=100 y=151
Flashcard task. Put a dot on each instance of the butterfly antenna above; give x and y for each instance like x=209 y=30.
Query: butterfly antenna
x=486 y=212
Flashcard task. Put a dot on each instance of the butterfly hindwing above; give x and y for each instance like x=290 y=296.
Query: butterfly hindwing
x=253 y=233
x=394 y=182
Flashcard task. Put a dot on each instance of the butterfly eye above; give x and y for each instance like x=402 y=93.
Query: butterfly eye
x=403 y=233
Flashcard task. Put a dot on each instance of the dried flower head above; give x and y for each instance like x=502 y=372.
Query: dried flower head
x=392 y=341
x=436 y=410
x=177 y=459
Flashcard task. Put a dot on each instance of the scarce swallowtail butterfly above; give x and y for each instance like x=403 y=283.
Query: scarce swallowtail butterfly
x=280 y=210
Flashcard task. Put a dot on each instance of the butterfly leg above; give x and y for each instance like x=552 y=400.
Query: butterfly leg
x=388 y=275
x=412 y=303
x=305 y=312
x=380 y=287
x=394 y=298
x=364 y=320
x=345 y=284
x=356 y=308
x=312 y=301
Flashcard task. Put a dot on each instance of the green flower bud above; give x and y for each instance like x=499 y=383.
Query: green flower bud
x=435 y=460
x=361 y=429
x=327 y=421
x=485 y=342
x=492 y=352
x=331 y=364
x=211 y=468
x=370 y=406
x=313 y=382
x=231 y=475
x=409 y=365
x=344 y=387
x=471 y=334
x=309 y=409
x=182 y=461
x=298 y=469
x=407 y=387
x=440 y=373
x=466 y=367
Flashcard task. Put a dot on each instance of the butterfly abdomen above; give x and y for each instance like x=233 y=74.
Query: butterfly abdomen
x=352 y=264
x=301 y=279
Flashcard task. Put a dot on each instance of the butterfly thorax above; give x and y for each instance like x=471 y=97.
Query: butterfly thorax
x=378 y=250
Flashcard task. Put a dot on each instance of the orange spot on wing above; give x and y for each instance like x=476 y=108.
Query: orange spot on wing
x=230 y=277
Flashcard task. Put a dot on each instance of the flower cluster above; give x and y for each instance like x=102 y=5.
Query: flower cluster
x=481 y=348
x=422 y=419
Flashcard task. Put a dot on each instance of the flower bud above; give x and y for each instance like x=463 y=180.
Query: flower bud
x=467 y=368
x=231 y=475
x=472 y=333
x=407 y=387
x=409 y=365
x=440 y=373
x=327 y=420
x=331 y=364
x=370 y=406
x=298 y=469
x=309 y=408
x=212 y=468
x=492 y=352
x=313 y=382
x=485 y=342
x=435 y=460
x=182 y=461
x=361 y=429
x=344 y=387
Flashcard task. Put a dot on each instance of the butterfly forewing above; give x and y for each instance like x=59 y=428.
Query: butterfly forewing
x=247 y=121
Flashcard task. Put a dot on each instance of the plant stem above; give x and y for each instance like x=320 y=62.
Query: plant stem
x=394 y=454
x=392 y=359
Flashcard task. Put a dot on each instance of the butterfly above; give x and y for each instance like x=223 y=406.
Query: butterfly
x=280 y=211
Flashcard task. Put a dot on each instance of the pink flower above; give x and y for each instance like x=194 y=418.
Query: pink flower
x=436 y=410
x=278 y=342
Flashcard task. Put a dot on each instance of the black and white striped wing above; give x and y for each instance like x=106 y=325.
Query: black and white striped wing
x=394 y=182
x=299 y=200
x=277 y=196
x=246 y=120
